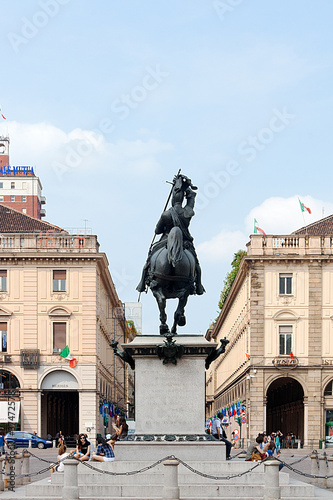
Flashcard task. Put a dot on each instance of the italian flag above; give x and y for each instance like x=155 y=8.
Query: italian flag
x=257 y=228
x=303 y=207
x=66 y=354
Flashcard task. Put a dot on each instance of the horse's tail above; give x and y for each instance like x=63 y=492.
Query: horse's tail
x=175 y=245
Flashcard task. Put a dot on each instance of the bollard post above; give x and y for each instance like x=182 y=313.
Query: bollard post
x=271 y=481
x=171 y=488
x=330 y=472
x=2 y=484
x=30 y=443
x=323 y=471
x=70 y=490
x=54 y=443
x=18 y=469
x=26 y=467
x=314 y=468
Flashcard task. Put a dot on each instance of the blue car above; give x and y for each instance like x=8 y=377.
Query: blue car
x=21 y=439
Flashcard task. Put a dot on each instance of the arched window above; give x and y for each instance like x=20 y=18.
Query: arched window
x=329 y=389
x=8 y=381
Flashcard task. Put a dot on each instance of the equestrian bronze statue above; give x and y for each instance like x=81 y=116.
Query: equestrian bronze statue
x=172 y=269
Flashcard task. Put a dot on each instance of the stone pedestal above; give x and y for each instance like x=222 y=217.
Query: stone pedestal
x=170 y=401
x=169 y=398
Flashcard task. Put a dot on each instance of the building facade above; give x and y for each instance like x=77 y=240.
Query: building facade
x=20 y=188
x=278 y=318
x=56 y=290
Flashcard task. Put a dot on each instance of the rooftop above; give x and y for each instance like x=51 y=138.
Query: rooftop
x=13 y=221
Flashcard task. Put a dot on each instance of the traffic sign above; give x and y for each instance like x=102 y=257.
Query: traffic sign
x=243 y=420
x=236 y=437
x=236 y=431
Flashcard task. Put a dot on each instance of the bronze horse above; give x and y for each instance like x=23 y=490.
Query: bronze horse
x=172 y=272
x=172 y=269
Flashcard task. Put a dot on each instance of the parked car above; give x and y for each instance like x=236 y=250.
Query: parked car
x=21 y=439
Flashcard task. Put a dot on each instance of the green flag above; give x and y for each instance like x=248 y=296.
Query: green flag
x=65 y=353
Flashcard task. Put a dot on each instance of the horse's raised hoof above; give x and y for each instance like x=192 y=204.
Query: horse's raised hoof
x=164 y=329
x=182 y=320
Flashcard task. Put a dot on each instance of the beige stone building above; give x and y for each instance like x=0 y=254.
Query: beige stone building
x=56 y=290
x=280 y=313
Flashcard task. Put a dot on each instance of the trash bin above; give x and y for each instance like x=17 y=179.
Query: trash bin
x=321 y=444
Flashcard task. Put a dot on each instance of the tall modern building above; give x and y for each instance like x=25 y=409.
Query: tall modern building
x=20 y=188
x=278 y=318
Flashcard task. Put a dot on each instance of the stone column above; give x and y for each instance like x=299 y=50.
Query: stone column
x=70 y=490
x=323 y=470
x=18 y=469
x=306 y=422
x=26 y=467
x=314 y=468
x=171 y=488
x=330 y=472
x=272 y=484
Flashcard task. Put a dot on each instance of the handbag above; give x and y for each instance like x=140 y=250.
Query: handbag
x=256 y=456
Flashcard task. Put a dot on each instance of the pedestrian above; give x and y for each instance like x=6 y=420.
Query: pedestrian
x=254 y=451
x=288 y=440
x=121 y=430
x=278 y=443
x=219 y=433
x=82 y=448
x=104 y=452
x=60 y=439
x=2 y=441
x=62 y=454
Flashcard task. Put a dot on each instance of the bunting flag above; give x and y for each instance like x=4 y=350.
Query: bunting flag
x=303 y=207
x=247 y=355
x=66 y=354
x=257 y=228
x=291 y=355
x=73 y=363
x=2 y=114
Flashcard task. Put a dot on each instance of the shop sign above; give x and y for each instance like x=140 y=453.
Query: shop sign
x=285 y=362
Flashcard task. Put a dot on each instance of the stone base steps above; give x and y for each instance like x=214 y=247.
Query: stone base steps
x=155 y=491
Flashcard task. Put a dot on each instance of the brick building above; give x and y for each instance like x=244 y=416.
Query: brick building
x=280 y=313
x=20 y=188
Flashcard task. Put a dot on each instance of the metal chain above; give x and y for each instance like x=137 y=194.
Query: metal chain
x=144 y=469
x=195 y=471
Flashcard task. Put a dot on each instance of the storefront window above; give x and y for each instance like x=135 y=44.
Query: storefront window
x=329 y=427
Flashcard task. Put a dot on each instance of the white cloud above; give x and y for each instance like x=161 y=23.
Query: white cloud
x=275 y=215
x=283 y=215
x=222 y=246
x=44 y=145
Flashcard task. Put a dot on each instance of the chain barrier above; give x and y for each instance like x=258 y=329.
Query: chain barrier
x=303 y=458
x=187 y=466
x=130 y=473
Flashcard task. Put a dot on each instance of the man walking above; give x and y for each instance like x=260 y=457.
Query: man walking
x=219 y=433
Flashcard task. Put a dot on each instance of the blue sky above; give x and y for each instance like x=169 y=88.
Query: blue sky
x=108 y=99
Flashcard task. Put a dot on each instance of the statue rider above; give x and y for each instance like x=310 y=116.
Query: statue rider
x=179 y=216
